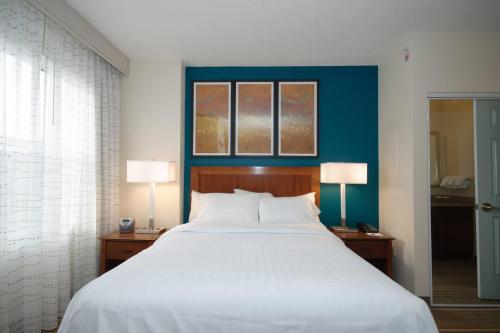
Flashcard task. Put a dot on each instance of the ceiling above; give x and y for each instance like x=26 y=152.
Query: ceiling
x=275 y=32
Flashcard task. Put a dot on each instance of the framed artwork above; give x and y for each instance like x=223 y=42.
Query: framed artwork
x=298 y=111
x=254 y=132
x=211 y=118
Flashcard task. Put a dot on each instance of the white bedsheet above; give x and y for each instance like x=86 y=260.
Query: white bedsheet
x=246 y=278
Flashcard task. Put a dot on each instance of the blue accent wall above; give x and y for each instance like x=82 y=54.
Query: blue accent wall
x=347 y=126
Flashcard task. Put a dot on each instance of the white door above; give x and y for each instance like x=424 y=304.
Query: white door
x=487 y=130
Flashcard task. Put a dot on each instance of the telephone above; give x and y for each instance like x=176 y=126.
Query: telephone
x=365 y=227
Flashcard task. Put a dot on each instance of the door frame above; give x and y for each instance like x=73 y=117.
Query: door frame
x=443 y=96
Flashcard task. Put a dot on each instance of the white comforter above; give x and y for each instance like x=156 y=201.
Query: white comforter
x=246 y=278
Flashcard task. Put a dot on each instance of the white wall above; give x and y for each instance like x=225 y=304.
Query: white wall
x=395 y=160
x=439 y=62
x=152 y=128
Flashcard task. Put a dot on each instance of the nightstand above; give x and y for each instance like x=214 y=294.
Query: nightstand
x=116 y=248
x=377 y=250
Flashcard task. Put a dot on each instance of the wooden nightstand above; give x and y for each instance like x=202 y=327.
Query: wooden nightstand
x=377 y=250
x=116 y=248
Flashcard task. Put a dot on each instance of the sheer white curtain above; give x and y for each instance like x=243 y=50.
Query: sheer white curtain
x=59 y=144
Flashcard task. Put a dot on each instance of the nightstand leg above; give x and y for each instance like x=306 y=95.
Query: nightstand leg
x=102 y=258
x=388 y=266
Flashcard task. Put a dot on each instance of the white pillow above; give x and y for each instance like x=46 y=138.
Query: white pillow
x=228 y=208
x=260 y=194
x=312 y=197
x=195 y=206
x=287 y=210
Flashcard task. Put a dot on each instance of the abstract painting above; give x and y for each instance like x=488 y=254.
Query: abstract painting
x=297 y=118
x=254 y=118
x=212 y=118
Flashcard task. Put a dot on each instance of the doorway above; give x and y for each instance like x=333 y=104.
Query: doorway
x=462 y=270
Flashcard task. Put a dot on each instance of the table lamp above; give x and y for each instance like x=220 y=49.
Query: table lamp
x=151 y=172
x=343 y=173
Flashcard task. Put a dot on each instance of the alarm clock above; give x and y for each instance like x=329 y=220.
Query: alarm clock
x=127 y=224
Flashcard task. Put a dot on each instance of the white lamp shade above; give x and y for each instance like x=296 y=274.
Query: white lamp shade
x=151 y=171
x=344 y=173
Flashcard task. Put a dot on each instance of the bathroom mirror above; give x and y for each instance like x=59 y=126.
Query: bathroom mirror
x=434 y=158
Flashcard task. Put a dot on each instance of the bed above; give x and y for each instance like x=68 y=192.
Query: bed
x=209 y=277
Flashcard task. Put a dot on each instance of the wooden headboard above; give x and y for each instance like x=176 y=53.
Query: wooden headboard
x=280 y=181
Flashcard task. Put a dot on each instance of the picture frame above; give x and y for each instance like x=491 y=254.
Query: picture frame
x=298 y=118
x=254 y=118
x=212 y=118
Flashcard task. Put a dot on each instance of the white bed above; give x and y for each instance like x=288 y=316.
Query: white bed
x=202 y=277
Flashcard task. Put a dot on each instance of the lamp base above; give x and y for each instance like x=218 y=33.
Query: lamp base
x=150 y=231
x=343 y=227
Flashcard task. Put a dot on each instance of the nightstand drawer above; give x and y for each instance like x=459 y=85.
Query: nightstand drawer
x=368 y=249
x=117 y=247
x=123 y=250
x=377 y=250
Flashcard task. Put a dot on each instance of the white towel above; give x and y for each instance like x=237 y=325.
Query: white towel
x=456 y=182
